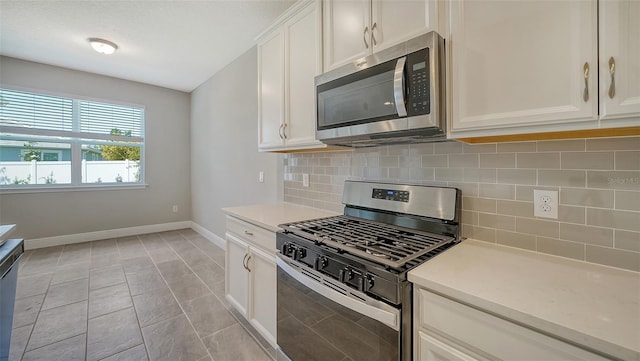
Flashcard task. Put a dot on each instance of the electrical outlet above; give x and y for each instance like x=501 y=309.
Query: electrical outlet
x=175 y=208
x=305 y=179
x=261 y=177
x=545 y=204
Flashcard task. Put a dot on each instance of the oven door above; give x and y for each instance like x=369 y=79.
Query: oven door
x=324 y=320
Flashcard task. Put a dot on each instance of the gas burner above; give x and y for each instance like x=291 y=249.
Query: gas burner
x=390 y=245
x=382 y=255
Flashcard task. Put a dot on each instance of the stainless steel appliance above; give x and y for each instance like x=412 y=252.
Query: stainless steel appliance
x=343 y=292
x=10 y=253
x=393 y=96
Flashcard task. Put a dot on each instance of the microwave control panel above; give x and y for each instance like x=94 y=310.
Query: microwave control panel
x=419 y=83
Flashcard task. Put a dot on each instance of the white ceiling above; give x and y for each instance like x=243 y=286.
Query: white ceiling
x=175 y=44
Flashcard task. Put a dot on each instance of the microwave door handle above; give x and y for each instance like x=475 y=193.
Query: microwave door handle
x=398 y=87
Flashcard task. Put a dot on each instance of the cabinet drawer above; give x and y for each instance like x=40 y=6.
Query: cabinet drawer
x=253 y=234
x=495 y=336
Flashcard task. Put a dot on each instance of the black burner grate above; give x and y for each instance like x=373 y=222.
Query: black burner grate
x=378 y=242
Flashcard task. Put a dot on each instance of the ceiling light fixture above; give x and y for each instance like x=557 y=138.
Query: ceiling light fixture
x=103 y=46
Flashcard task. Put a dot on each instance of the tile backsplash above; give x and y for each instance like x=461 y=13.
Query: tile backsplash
x=598 y=182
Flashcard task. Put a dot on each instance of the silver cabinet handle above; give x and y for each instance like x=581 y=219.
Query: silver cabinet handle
x=248 y=259
x=243 y=261
x=280 y=132
x=373 y=34
x=612 y=71
x=248 y=233
x=284 y=131
x=364 y=37
x=585 y=69
x=398 y=87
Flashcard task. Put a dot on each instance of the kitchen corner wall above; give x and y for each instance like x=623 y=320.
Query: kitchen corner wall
x=598 y=182
x=225 y=161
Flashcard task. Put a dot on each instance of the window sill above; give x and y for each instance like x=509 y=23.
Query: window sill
x=70 y=188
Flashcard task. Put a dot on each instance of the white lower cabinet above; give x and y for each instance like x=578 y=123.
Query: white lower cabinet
x=236 y=275
x=250 y=275
x=262 y=283
x=447 y=330
x=430 y=348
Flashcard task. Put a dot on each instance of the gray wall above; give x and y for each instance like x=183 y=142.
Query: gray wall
x=167 y=159
x=224 y=146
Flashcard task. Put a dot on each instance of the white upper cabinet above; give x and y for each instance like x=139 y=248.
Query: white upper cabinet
x=303 y=61
x=289 y=58
x=619 y=60
x=393 y=22
x=520 y=63
x=357 y=28
x=347 y=35
x=271 y=89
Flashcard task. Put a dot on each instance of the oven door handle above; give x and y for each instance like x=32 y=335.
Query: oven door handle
x=398 y=87
x=374 y=309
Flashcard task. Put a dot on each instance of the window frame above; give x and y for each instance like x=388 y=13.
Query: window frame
x=76 y=139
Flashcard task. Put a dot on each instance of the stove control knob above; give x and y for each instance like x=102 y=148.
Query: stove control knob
x=349 y=274
x=323 y=262
x=301 y=253
x=370 y=282
x=288 y=249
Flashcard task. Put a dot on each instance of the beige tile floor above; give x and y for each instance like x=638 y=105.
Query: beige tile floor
x=150 y=297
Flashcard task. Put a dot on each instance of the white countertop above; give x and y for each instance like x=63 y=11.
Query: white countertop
x=592 y=305
x=5 y=230
x=269 y=216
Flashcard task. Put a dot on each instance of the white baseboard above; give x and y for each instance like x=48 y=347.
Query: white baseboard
x=212 y=237
x=109 y=233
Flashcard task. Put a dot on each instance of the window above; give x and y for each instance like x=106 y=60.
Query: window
x=46 y=154
x=48 y=140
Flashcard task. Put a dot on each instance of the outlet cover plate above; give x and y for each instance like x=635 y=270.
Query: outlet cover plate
x=545 y=204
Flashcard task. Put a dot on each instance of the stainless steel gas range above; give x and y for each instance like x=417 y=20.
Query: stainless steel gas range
x=343 y=292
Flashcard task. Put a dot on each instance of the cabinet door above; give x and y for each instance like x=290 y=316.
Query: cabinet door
x=347 y=31
x=271 y=90
x=236 y=276
x=521 y=63
x=303 y=61
x=620 y=47
x=432 y=349
x=263 y=293
x=393 y=22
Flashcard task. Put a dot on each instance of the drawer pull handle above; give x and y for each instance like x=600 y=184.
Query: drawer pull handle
x=248 y=233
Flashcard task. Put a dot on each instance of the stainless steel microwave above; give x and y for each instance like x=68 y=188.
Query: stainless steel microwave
x=393 y=96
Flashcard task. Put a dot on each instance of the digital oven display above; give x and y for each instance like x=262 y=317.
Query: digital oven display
x=390 y=195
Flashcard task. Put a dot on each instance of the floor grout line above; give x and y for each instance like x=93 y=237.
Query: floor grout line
x=170 y=241
x=176 y=298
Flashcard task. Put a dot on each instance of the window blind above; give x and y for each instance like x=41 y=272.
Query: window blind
x=28 y=110
x=46 y=112
x=102 y=118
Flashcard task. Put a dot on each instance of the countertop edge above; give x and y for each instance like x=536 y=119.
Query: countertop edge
x=567 y=334
x=6 y=229
x=253 y=221
x=244 y=213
